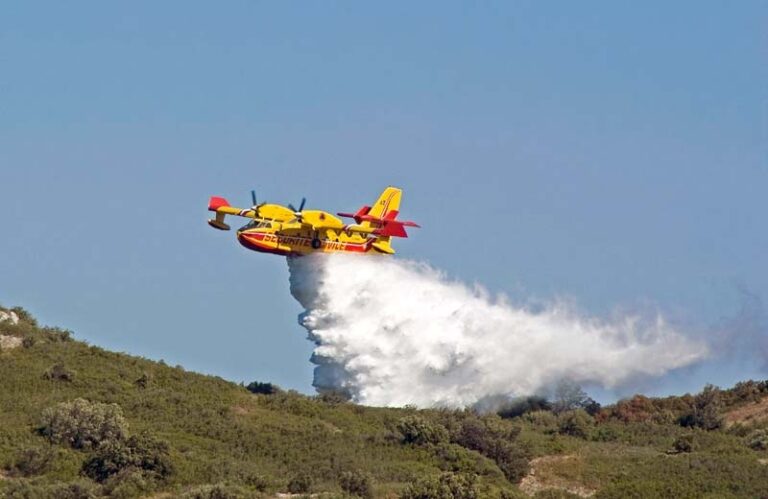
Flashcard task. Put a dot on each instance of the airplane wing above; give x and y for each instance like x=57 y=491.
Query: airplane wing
x=263 y=211
x=319 y=219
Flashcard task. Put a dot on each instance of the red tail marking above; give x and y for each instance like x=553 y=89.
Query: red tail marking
x=215 y=203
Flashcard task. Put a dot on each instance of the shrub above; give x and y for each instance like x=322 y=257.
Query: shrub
x=758 y=440
x=83 y=424
x=335 y=397
x=605 y=433
x=139 y=452
x=446 y=486
x=495 y=442
x=28 y=342
x=127 y=484
x=58 y=335
x=59 y=373
x=683 y=443
x=541 y=419
x=144 y=380
x=356 y=483
x=637 y=409
x=21 y=489
x=705 y=412
x=262 y=388
x=300 y=484
x=218 y=491
x=255 y=480
x=456 y=458
x=419 y=431
x=33 y=461
x=575 y=423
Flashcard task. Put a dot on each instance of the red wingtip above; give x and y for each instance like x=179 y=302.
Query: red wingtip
x=215 y=203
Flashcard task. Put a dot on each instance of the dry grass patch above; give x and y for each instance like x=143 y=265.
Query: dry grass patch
x=746 y=414
x=555 y=472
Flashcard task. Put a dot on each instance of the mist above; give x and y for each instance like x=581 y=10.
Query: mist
x=393 y=332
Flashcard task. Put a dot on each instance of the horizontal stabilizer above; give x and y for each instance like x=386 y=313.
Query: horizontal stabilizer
x=216 y=202
x=358 y=216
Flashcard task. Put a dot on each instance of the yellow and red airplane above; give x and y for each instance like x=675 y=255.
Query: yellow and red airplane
x=285 y=230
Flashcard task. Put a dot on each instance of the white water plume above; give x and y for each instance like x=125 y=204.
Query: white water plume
x=392 y=332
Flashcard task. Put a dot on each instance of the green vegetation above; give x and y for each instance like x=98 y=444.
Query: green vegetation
x=77 y=421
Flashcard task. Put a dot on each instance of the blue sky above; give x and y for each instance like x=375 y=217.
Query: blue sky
x=611 y=152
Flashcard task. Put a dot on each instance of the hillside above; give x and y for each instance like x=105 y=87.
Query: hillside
x=79 y=421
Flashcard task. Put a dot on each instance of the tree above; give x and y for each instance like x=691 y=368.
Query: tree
x=569 y=396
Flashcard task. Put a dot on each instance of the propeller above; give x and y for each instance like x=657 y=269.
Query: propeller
x=297 y=213
x=255 y=207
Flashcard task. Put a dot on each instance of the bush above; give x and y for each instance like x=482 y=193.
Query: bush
x=335 y=397
x=605 y=433
x=446 y=486
x=758 y=440
x=218 y=491
x=127 y=484
x=59 y=373
x=544 y=420
x=356 y=483
x=575 y=423
x=19 y=489
x=33 y=461
x=28 y=342
x=254 y=480
x=419 y=431
x=300 y=484
x=140 y=452
x=705 y=412
x=83 y=424
x=496 y=442
x=683 y=443
x=262 y=388
x=144 y=380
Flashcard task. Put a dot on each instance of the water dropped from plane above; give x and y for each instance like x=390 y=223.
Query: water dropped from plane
x=394 y=332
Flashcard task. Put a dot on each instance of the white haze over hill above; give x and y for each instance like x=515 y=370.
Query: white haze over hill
x=394 y=332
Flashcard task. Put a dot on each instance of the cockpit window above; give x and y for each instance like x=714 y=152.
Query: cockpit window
x=255 y=224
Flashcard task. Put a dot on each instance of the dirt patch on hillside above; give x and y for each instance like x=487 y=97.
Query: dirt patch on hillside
x=746 y=414
x=543 y=475
x=10 y=342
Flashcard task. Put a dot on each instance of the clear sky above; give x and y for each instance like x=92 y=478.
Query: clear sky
x=614 y=153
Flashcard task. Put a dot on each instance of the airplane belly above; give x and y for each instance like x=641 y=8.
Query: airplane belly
x=296 y=245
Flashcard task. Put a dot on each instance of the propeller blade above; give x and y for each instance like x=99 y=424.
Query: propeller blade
x=253 y=197
x=301 y=206
x=293 y=208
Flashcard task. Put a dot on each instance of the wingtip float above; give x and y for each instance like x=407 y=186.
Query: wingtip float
x=285 y=230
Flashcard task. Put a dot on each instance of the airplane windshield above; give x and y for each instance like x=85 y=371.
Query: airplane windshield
x=255 y=224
